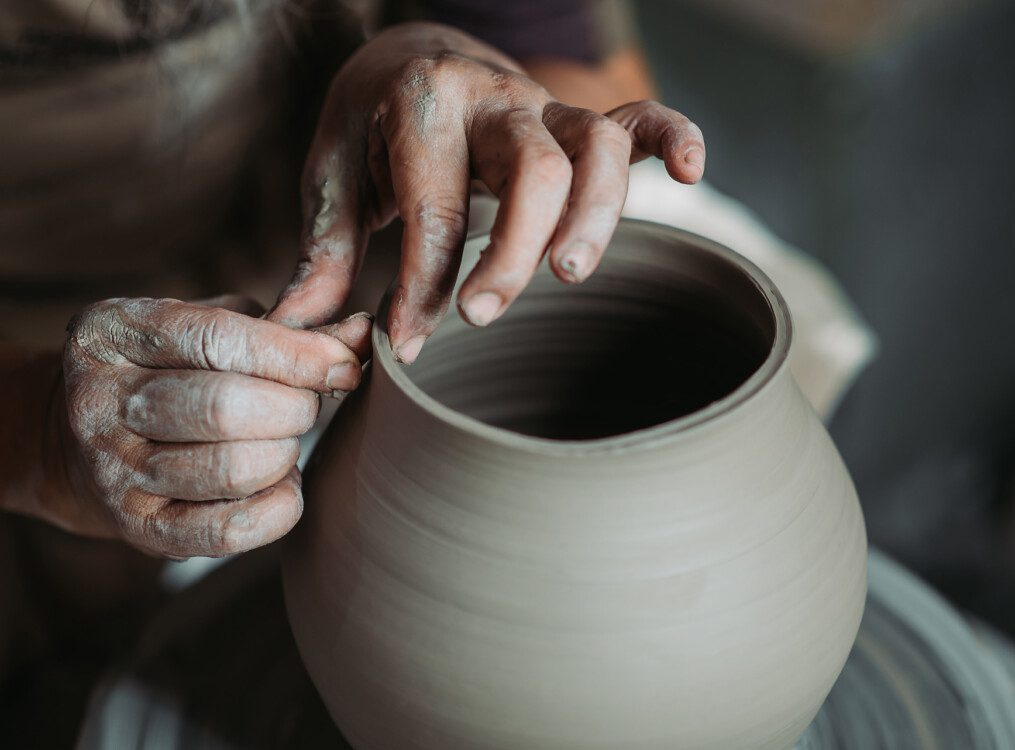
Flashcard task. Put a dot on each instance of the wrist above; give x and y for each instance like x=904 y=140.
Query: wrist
x=395 y=44
x=43 y=475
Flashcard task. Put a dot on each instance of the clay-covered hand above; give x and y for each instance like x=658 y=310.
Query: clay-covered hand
x=409 y=121
x=183 y=420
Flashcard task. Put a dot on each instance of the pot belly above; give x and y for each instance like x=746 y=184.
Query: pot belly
x=418 y=636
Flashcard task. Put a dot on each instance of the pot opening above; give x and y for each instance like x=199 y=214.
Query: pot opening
x=646 y=340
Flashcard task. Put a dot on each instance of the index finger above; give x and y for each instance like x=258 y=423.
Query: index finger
x=170 y=334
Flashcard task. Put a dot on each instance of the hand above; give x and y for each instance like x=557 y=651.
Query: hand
x=183 y=420
x=410 y=119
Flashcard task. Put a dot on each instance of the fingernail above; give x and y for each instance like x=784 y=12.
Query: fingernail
x=696 y=158
x=407 y=352
x=483 y=308
x=575 y=263
x=364 y=315
x=339 y=395
x=341 y=376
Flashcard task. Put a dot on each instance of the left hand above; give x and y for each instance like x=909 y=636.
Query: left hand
x=417 y=113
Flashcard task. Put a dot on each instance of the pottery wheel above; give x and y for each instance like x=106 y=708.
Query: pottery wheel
x=219 y=669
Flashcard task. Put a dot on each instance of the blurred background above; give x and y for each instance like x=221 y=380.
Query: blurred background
x=877 y=135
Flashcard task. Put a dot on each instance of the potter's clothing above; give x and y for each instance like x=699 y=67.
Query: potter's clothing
x=577 y=30
x=153 y=147
x=133 y=135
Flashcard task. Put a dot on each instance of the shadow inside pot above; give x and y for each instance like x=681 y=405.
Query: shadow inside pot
x=635 y=346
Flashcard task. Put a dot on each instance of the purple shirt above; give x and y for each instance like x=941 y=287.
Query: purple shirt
x=563 y=29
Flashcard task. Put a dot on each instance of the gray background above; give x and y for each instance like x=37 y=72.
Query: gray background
x=893 y=164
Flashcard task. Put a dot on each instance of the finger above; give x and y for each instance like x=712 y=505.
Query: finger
x=194 y=406
x=330 y=251
x=354 y=332
x=239 y=303
x=429 y=158
x=521 y=162
x=178 y=335
x=179 y=528
x=210 y=471
x=336 y=202
x=600 y=150
x=660 y=131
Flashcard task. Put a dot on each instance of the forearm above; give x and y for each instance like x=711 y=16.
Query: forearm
x=33 y=464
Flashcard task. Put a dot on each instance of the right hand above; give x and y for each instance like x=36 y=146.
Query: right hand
x=410 y=120
x=184 y=420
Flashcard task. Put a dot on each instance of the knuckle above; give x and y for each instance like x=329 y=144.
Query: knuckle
x=416 y=73
x=107 y=472
x=223 y=539
x=135 y=406
x=153 y=469
x=109 y=330
x=678 y=122
x=546 y=165
x=86 y=316
x=442 y=222
x=218 y=406
x=513 y=120
x=676 y=133
x=448 y=65
x=237 y=532
x=517 y=88
x=135 y=411
x=215 y=338
x=209 y=343
x=133 y=465
x=605 y=129
x=651 y=106
x=233 y=470
x=650 y=113
x=91 y=409
x=669 y=120
x=88 y=330
x=216 y=535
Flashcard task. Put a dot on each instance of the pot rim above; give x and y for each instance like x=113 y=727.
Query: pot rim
x=672 y=429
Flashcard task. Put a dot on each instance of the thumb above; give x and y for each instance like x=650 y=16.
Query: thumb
x=354 y=332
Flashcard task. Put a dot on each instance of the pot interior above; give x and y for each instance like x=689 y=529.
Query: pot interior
x=664 y=328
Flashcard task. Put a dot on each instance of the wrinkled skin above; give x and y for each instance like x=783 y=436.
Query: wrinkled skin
x=185 y=417
x=410 y=120
x=182 y=419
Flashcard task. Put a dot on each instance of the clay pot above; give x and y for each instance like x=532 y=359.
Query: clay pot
x=609 y=520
